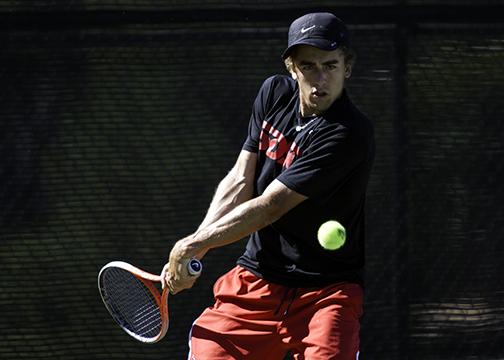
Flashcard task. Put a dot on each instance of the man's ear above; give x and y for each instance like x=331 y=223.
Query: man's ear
x=348 y=71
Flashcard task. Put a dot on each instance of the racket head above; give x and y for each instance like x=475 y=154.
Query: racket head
x=134 y=302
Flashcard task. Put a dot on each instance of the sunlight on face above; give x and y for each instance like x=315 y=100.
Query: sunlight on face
x=320 y=75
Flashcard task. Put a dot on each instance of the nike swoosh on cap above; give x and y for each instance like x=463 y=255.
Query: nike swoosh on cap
x=303 y=30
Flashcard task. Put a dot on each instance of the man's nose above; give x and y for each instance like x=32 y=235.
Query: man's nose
x=320 y=77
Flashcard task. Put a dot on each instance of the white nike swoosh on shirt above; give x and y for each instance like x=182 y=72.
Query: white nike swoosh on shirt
x=303 y=30
x=301 y=127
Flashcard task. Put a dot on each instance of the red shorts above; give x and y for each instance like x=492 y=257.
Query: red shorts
x=254 y=319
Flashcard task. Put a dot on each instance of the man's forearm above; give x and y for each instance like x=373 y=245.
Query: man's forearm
x=232 y=191
x=236 y=188
x=243 y=220
x=235 y=225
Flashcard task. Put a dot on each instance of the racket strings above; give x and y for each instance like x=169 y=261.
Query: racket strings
x=131 y=302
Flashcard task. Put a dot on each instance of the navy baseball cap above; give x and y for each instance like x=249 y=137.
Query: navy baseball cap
x=322 y=30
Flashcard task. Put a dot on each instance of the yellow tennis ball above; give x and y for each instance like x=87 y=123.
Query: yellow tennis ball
x=331 y=235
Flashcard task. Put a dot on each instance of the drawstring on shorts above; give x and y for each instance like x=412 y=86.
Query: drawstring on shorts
x=293 y=292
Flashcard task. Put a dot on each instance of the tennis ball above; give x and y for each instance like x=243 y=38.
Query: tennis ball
x=331 y=235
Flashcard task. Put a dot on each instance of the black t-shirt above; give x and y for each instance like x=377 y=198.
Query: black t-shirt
x=327 y=158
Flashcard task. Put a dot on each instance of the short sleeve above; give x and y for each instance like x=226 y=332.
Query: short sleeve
x=259 y=111
x=325 y=164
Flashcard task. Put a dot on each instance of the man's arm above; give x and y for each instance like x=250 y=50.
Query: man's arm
x=243 y=220
x=236 y=188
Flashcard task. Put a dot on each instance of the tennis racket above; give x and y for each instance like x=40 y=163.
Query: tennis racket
x=135 y=303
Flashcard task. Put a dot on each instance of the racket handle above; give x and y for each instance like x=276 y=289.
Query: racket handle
x=194 y=267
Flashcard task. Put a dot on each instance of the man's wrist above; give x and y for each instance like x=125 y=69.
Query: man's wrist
x=190 y=247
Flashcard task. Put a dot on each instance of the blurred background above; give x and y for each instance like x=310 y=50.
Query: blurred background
x=119 y=117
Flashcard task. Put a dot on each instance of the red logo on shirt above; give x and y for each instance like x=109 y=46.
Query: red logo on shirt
x=277 y=147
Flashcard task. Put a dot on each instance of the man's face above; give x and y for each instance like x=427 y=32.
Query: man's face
x=320 y=75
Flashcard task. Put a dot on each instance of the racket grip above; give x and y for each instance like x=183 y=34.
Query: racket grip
x=194 y=267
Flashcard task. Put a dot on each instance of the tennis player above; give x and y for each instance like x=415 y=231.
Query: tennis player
x=306 y=160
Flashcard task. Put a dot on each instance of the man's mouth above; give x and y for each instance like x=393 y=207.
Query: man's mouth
x=318 y=94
